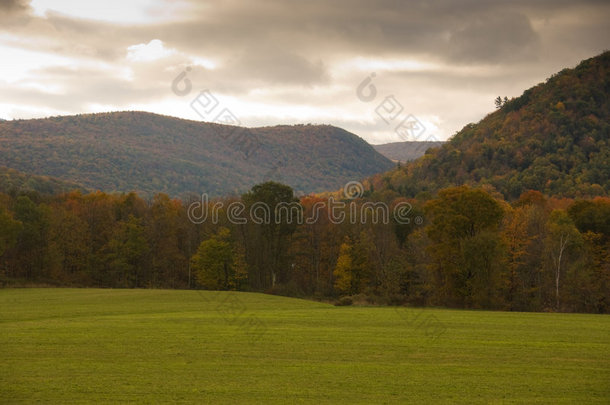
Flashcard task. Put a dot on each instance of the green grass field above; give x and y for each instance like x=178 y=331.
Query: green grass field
x=89 y=345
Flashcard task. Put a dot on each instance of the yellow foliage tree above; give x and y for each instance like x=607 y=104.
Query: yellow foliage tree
x=344 y=269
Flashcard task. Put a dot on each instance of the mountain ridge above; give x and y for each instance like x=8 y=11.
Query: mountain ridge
x=554 y=138
x=150 y=153
x=405 y=151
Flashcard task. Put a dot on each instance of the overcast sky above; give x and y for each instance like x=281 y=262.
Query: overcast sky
x=284 y=62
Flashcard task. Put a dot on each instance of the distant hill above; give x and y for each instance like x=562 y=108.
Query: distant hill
x=14 y=182
x=555 y=138
x=405 y=151
x=150 y=153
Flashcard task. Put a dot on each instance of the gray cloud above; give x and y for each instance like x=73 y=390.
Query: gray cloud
x=271 y=64
x=293 y=53
x=499 y=37
x=14 y=6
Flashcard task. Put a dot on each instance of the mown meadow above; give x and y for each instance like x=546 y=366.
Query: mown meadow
x=158 y=346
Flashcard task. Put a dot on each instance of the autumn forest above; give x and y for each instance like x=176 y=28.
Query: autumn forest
x=512 y=214
x=472 y=250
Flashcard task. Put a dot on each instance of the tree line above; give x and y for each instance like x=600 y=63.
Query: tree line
x=461 y=247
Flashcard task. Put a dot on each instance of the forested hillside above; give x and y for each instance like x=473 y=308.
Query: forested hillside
x=15 y=182
x=149 y=153
x=405 y=151
x=513 y=213
x=555 y=138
